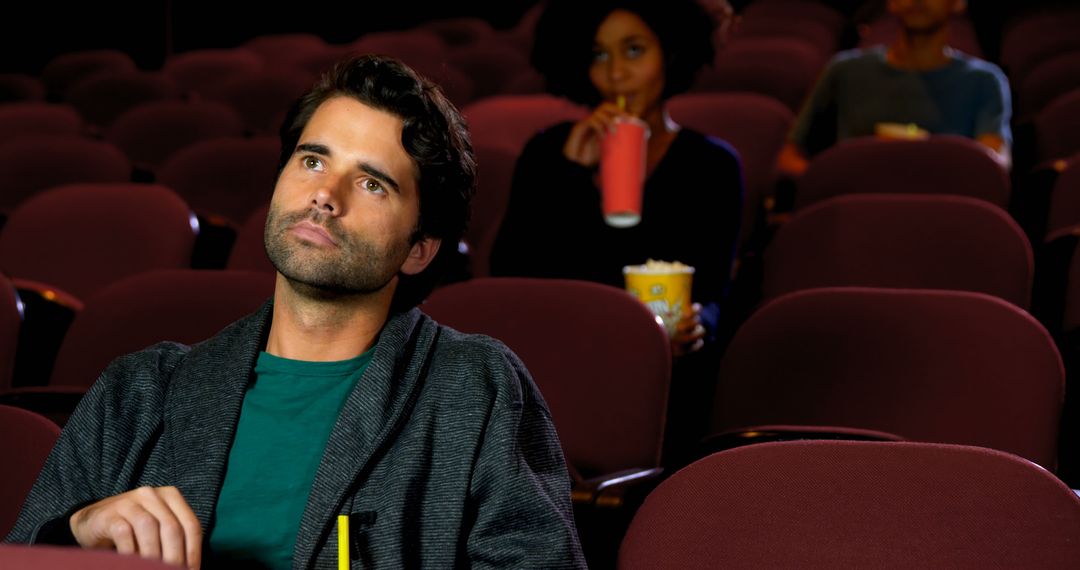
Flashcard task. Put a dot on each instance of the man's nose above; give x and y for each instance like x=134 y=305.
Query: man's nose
x=328 y=196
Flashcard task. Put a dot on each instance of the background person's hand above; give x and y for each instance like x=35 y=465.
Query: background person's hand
x=153 y=522
x=583 y=144
x=689 y=334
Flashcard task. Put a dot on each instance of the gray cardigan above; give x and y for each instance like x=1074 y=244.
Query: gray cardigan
x=444 y=454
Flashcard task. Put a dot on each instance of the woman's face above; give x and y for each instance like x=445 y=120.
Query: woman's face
x=628 y=61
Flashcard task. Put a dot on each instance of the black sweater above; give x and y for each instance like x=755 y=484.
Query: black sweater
x=554 y=226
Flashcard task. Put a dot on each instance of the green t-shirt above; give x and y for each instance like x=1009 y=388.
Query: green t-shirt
x=288 y=413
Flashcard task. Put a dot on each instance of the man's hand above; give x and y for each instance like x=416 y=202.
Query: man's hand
x=153 y=522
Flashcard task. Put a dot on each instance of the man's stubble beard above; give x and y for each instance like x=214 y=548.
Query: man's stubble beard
x=355 y=267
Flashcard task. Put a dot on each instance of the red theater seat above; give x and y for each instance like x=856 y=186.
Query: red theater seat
x=856 y=505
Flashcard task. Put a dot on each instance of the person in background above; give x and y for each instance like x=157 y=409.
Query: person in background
x=338 y=398
x=915 y=86
x=642 y=53
x=639 y=53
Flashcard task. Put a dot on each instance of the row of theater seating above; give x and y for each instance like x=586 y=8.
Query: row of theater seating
x=224 y=180
x=755 y=126
x=942 y=166
x=808 y=504
x=850 y=363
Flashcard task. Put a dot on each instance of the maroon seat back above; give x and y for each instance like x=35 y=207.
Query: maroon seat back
x=944 y=164
x=31 y=164
x=820 y=36
x=25 y=441
x=19 y=557
x=511 y=120
x=460 y=31
x=227 y=177
x=37 y=118
x=903 y=241
x=262 y=98
x=803 y=10
x=201 y=70
x=491 y=64
x=1047 y=81
x=149 y=134
x=1057 y=128
x=417 y=47
x=249 y=249
x=67 y=70
x=279 y=50
x=495 y=172
x=104 y=97
x=937 y=366
x=321 y=61
x=1036 y=38
x=818 y=504
x=82 y=237
x=596 y=353
x=179 y=305
x=782 y=68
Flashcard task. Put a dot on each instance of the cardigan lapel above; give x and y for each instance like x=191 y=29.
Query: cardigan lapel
x=203 y=405
x=373 y=412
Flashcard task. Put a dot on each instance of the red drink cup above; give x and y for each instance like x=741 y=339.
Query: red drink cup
x=622 y=171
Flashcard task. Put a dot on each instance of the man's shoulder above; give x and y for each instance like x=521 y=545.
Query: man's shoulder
x=152 y=360
x=472 y=350
x=141 y=376
x=973 y=66
x=857 y=58
x=480 y=363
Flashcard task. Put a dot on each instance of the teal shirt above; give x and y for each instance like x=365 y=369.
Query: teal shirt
x=288 y=413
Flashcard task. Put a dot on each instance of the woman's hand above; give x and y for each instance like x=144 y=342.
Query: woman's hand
x=689 y=334
x=583 y=144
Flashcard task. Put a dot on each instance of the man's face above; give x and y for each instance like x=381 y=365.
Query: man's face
x=925 y=16
x=346 y=204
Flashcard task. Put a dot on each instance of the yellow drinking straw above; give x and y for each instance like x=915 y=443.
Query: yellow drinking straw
x=343 y=542
x=620 y=102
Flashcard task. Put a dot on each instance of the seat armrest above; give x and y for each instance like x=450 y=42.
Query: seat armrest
x=612 y=490
x=54 y=402
x=47 y=313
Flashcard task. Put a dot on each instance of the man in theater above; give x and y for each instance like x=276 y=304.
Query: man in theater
x=338 y=398
x=913 y=87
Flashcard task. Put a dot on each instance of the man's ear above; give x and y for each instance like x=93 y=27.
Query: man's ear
x=421 y=255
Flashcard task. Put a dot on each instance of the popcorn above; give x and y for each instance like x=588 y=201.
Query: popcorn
x=656 y=266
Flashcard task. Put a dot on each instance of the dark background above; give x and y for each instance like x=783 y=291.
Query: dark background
x=34 y=32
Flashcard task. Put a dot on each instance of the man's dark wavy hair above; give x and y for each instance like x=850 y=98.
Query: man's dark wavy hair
x=433 y=134
x=562 y=50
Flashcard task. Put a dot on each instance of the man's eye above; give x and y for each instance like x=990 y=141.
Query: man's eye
x=372 y=185
x=312 y=163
